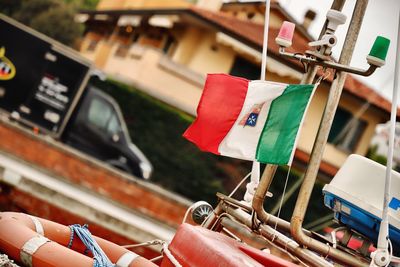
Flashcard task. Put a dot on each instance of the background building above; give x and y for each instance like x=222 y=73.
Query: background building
x=166 y=48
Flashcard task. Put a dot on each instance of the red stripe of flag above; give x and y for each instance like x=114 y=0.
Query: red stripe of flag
x=220 y=105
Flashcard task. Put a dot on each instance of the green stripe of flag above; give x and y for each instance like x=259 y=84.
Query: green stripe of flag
x=280 y=130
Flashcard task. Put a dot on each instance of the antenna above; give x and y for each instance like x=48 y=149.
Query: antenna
x=381 y=256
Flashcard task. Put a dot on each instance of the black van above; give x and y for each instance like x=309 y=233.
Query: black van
x=44 y=84
x=98 y=128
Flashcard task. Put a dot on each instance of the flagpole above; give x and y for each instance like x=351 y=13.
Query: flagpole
x=255 y=170
x=265 y=42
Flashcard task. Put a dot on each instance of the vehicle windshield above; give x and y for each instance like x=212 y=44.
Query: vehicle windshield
x=104 y=117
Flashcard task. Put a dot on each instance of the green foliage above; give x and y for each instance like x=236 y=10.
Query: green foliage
x=54 y=18
x=372 y=154
x=8 y=7
x=59 y=29
x=83 y=4
x=29 y=10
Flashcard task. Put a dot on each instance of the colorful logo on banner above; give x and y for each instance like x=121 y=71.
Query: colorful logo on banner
x=7 y=68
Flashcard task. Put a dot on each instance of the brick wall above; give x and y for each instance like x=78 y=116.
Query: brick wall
x=77 y=168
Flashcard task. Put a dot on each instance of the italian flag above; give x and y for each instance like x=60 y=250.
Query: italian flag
x=250 y=120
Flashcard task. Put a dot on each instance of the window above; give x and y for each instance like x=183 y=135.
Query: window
x=346 y=130
x=114 y=127
x=99 y=113
x=244 y=68
x=152 y=37
x=169 y=45
x=250 y=15
x=92 y=46
x=104 y=117
x=135 y=37
x=122 y=50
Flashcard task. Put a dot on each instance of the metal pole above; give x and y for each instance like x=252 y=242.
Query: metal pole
x=382 y=239
x=255 y=170
x=310 y=75
x=279 y=239
x=270 y=170
x=265 y=42
x=322 y=136
x=382 y=252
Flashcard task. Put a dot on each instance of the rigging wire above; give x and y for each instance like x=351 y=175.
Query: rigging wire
x=282 y=197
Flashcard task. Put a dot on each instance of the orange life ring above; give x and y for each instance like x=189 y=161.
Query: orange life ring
x=28 y=239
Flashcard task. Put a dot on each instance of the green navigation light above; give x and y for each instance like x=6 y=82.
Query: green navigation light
x=379 y=51
x=380 y=47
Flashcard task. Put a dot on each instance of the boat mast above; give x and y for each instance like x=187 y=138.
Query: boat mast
x=255 y=170
x=261 y=223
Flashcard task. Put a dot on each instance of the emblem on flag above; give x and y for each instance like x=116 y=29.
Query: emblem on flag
x=250 y=119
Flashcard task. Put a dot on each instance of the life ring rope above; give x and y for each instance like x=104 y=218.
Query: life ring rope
x=83 y=233
x=20 y=240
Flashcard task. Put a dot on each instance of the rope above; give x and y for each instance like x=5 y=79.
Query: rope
x=187 y=212
x=99 y=257
x=239 y=184
x=170 y=256
x=165 y=251
x=145 y=244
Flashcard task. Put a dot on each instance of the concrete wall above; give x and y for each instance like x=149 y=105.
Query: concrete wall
x=158 y=76
x=213 y=5
x=119 y=4
x=188 y=42
x=103 y=52
x=211 y=57
x=110 y=4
